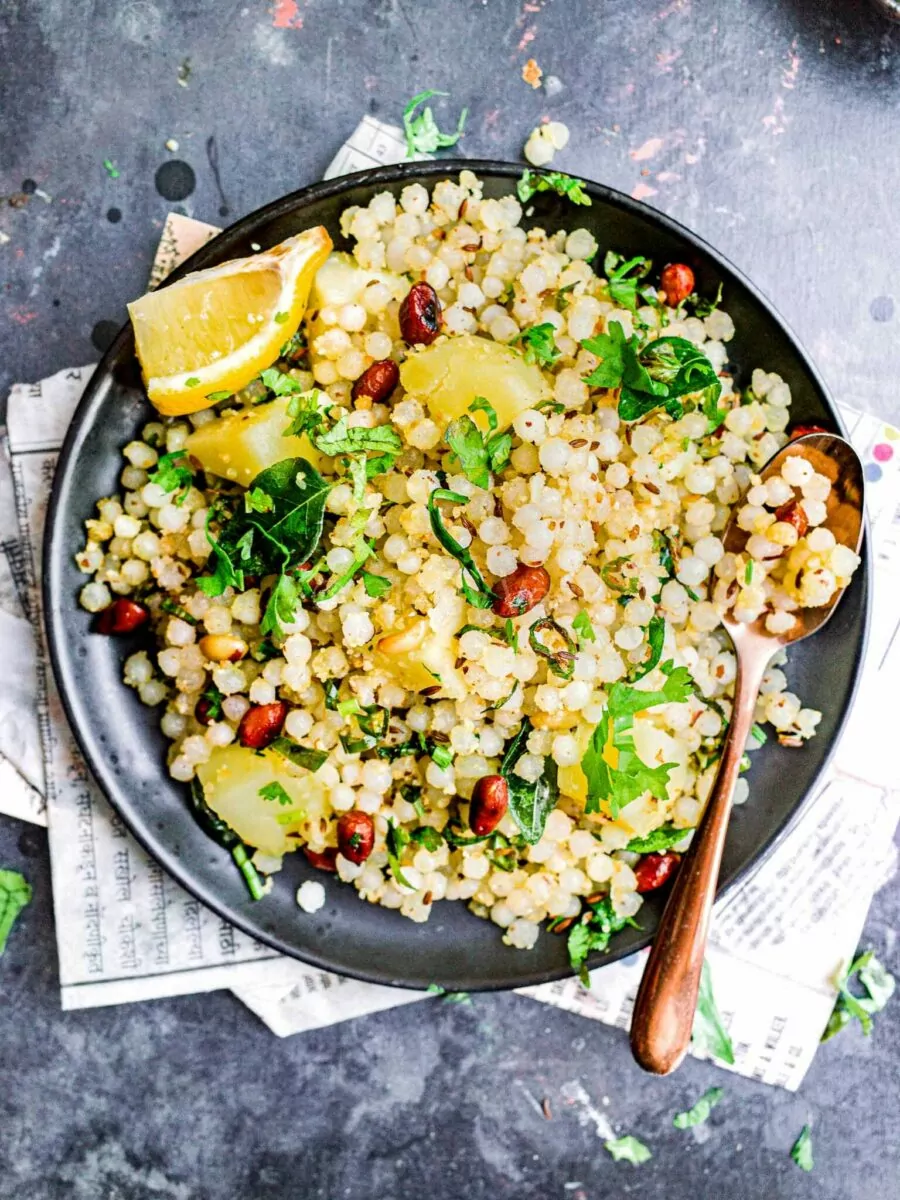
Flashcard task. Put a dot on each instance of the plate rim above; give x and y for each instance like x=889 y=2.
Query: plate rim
x=52 y=555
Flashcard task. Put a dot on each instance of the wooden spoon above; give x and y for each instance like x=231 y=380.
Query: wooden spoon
x=667 y=997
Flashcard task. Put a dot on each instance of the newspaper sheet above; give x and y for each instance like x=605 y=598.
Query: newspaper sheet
x=127 y=932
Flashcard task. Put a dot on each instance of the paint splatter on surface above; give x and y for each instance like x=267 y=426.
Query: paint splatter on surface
x=641 y=191
x=532 y=73
x=286 y=15
x=651 y=147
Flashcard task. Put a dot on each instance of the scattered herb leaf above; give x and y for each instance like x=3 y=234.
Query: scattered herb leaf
x=275 y=791
x=422 y=133
x=552 y=181
x=15 y=894
x=479 y=595
x=699 y=1112
x=709 y=1033
x=801 y=1151
x=627 y=1149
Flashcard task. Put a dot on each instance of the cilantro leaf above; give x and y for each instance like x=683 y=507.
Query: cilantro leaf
x=623 y=277
x=801 y=1151
x=552 y=181
x=274 y=791
x=614 y=772
x=663 y=371
x=375 y=585
x=498 y=447
x=467 y=445
x=583 y=627
x=758 y=735
x=363 y=551
x=282 y=384
x=15 y=894
x=511 y=634
x=479 y=596
x=709 y=1033
x=699 y=1112
x=540 y=344
x=256 y=500
x=627 y=1149
x=173 y=474
x=281 y=608
x=610 y=348
x=879 y=985
x=594 y=934
x=422 y=133
x=480 y=404
x=341 y=438
x=659 y=839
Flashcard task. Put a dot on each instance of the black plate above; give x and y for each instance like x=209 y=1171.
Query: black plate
x=121 y=738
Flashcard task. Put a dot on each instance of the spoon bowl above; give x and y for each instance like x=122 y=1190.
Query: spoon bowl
x=667 y=997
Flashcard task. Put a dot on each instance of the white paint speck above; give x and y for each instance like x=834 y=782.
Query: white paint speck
x=586 y=1112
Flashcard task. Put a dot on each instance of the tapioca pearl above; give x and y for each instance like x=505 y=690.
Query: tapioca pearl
x=325 y=372
x=180 y=633
x=581 y=244
x=261 y=692
x=554 y=455
x=797 y=471
x=692 y=570
x=548 y=699
x=531 y=426
x=414 y=200
x=637 y=612
x=628 y=637
x=760 y=547
x=134 y=572
x=842 y=560
x=758 y=495
x=704 y=617
x=234 y=707
x=817 y=487
x=700 y=480
x=780 y=622
x=709 y=723
x=709 y=549
x=565 y=751
x=719 y=325
x=228 y=679
x=570 y=389
x=749 y=515
x=617 y=475
x=815 y=510
x=441 y=778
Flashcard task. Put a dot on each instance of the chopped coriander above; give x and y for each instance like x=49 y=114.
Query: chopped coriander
x=363 y=551
x=593 y=933
x=631 y=777
x=422 y=133
x=623 y=277
x=709 y=1033
x=583 y=627
x=256 y=500
x=274 y=791
x=480 y=404
x=612 y=348
x=213 y=698
x=879 y=985
x=222 y=833
x=552 y=181
x=540 y=344
x=477 y=455
x=699 y=1112
x=427 y=837
x=627 y=1149
x=801 y=1151
x=350 y=707
x=111 y=169
x=173 y=474
x=441 y=755
x=343 y=438
x=375 y=585
x=748 y=573
x=758 y=735
x=215 y=397
x=15 y=894
x=281 y=317
x=192 y=382
x=281 y=607
x=331 y=687
x=167 y=604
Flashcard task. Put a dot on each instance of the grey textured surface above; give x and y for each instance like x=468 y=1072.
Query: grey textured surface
x=770 y=129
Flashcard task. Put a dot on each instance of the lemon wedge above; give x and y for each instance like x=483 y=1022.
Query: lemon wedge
x=215 y=330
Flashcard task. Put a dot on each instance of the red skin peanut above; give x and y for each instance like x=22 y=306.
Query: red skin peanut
x=488 y=805
x=261 y=724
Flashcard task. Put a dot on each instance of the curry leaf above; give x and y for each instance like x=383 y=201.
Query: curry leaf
x=656 y=637
x=480 y=596
x=659 y=839
x=300 y=756
x=553 y=181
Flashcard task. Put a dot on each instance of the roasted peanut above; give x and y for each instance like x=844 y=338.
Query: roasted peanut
x=792 y=514
x=521 y=591
x=420 y=315
x=261 y=724
x=223 y=647
x=654 y=869
x=677 y=281
x=356 y=835
x=378 y=381
x=122 y=616
x=324 y=860
x=802 y=430
x=488 y=805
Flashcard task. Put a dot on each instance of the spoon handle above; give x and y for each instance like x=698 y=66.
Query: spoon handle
x=667 y=997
